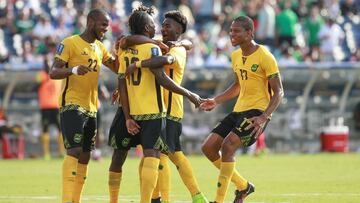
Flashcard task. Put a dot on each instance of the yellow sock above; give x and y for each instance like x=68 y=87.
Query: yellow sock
x=149 y=176
x=140 y=169
x=45 y=141
x=164 y=178
x=185 y=171
x=226 y=171
x=81 y=175
x=114 y=186
x=61 y=148
x=68 y=175
x=239 y=181
x=156 y=192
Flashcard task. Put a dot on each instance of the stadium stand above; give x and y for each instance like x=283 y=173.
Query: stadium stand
x=315 y=91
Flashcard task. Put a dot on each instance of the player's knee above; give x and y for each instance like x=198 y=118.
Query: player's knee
x=84 y=157
x=227 y=150
x=74 y=152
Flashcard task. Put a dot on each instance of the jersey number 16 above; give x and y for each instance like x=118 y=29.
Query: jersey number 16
x=134 y=81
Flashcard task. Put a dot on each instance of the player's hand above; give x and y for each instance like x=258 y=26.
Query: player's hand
x=119 y=41
x=81 y=70
x=130 y=69
x=172 y=44
x=132 y=127
x=164 y=48
x=195 y=99
x=115 y=97
x=208 y=104
x=258 y=123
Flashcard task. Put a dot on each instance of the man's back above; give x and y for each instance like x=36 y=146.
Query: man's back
x=145 y=94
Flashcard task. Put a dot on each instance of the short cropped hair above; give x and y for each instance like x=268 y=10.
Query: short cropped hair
x=139 y=19
x=95 y=13
x=246 y=22
x=178 y=17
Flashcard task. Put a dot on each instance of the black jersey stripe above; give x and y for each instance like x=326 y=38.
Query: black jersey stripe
x=159 y=96
x=63 y=102
x=170 y=93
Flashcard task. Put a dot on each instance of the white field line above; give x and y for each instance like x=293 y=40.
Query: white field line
x=135 y=198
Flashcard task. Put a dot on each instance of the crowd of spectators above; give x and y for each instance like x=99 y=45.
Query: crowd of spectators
x=294 y=30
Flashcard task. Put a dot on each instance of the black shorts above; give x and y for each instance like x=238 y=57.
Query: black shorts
x=151 y=135
x=172 y=134
x=119 y=138
x=78 y=129
x=50 y=117
x=236 y=122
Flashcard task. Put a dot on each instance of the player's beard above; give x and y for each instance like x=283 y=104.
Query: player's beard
x=97 y=36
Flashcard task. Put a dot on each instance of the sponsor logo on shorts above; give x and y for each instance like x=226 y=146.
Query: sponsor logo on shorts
x=125 y=142
x=77 y=138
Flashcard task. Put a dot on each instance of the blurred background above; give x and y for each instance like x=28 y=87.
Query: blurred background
x=316 y=44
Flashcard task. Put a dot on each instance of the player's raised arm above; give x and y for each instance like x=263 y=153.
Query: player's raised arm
x=187 y=44
x=131 y=40
x=112 y=63
x=154 y=62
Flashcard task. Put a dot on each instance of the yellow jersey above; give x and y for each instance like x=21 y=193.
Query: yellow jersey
x=253 y=72
x=146 y=100
x=173 y=101
x=81 y=92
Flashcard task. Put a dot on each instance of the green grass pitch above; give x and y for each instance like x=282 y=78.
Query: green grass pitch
x=319 y=178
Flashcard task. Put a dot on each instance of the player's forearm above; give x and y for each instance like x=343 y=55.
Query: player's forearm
x=113 y=64
x=273 y=104
x=58 y=70
x=228 y=94
x=135 y=40
x=168 y=83
x=60 y=73
x=157 y=61
x=124 y=97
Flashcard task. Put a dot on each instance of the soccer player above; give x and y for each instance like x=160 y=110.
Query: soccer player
x=173 y=27
x=259 y=91
x=77 y=62
x=143 y=110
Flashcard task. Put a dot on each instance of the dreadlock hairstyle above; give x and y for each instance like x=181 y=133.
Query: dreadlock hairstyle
x=178 y=17
x=139 y=19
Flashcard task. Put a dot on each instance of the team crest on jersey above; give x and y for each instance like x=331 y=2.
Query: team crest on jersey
x=60 y=49
x=254 y=67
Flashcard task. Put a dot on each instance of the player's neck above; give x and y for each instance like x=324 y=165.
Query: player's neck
x=87 y=36
x=249 y=48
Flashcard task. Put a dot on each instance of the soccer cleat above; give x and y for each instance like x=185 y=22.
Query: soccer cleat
x=199 y=198
x=240 y=195
x=157 y=200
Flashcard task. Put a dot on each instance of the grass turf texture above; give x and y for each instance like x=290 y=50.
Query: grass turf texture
x=316 y=178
